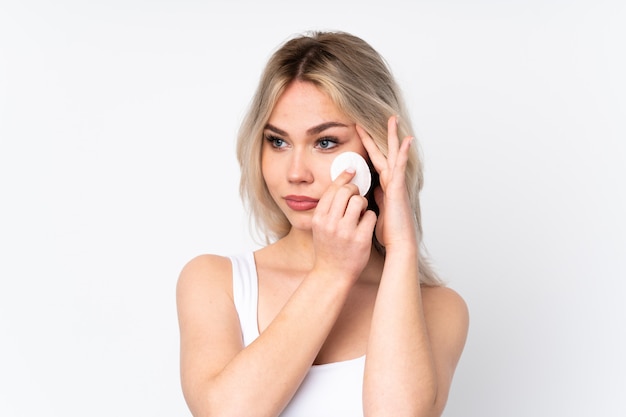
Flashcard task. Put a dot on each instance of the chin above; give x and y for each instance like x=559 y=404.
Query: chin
x=300 y=224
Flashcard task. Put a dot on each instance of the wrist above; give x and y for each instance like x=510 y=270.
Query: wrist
x=407 y=248
x=332 y=278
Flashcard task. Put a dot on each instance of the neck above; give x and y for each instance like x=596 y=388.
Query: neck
x=297 y=246
x=298 y=250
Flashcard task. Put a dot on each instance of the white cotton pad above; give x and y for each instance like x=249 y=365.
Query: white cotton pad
x=362 y=178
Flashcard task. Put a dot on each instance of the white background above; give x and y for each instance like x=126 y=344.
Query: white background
x=117 y=165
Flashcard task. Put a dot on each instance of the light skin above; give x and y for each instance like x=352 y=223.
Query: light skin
x=324 y=294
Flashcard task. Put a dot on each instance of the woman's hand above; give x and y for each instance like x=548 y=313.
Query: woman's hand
x=342 y=229
x=396 y=220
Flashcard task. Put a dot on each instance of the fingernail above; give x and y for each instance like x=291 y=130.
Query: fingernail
x=350 y=170
x=397 y=119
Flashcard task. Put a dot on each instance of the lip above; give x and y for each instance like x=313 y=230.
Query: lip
x=300 y=202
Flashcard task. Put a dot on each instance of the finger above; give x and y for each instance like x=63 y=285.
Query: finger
x=393 y=142
x=356 y=207
x=403 y=153
x=366 y=225
x=376 y=156
x=326 y=201
x=345 y=177
x=341 y=199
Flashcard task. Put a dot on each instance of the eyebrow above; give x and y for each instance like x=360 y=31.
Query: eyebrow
x=315 y=130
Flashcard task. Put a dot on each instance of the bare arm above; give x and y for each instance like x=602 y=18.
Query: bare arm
x=416 y=339
x=414 y=345
x=222 y=378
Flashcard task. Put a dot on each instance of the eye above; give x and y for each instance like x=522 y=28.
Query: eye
x=275 y=142
x=327 y=143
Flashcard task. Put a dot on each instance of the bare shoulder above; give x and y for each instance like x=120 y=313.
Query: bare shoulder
x=444 y=301
x=210 y=334
x=203 y=273
x=447 y=317
x=204 y=299
x=206 y=263
x=204 y=283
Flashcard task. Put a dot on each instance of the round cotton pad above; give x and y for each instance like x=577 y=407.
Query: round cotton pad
x=362 y=178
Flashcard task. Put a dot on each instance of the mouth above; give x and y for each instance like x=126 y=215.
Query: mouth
x=300 y=203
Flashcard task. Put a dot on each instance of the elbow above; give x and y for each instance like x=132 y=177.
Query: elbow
x=216 y=403
x=212 y=408
x=435 y=405
x=206 y=402
x=430 y=403
x=425 y=403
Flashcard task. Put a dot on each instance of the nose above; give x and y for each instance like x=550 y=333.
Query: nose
x=299 y=170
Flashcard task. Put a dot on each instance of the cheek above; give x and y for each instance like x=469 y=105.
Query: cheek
x=271 y=171
x=360 y=149
x=266 y=171
x=322 y=170
x=356 y=145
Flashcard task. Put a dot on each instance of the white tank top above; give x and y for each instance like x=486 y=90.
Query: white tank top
x=329 y=390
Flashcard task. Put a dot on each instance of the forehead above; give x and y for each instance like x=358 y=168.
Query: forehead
x=304 y=104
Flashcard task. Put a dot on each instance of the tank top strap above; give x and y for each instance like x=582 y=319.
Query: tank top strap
x=246 y=294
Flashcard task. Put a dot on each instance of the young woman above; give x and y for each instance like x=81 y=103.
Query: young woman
x=340 y=314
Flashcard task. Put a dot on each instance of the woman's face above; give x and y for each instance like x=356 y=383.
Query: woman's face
x=302 y=137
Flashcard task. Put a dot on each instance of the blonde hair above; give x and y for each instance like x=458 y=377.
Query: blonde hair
x=360 y=83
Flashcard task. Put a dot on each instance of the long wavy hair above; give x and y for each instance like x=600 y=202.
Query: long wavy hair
x=360 y=83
